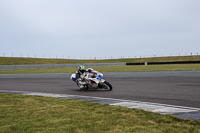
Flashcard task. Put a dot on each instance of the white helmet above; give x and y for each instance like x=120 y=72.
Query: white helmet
x=81 y=69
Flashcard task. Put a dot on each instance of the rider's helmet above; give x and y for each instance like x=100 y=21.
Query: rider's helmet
x=81 y=69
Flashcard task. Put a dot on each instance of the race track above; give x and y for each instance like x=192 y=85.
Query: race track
x=175 y=88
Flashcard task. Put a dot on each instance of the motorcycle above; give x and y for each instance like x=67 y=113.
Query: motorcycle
x=94 y=80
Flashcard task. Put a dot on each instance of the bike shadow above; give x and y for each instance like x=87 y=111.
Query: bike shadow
x=92 y=90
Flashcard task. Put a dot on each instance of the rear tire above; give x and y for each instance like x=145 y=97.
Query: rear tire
x=108 y=85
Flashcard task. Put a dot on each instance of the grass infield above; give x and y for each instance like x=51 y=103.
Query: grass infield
x=34 y=61
x=23 y=113
x=136 y=68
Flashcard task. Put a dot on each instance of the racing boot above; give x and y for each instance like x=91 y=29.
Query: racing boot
x=82 y=85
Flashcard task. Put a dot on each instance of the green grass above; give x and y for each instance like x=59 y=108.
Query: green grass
x=22 y=113
x=134 y=68
x=32 y=61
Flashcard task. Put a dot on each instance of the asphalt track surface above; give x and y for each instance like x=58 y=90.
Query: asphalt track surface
x=180 y=88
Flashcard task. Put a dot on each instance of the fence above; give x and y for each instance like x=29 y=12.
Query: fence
x=92 y=58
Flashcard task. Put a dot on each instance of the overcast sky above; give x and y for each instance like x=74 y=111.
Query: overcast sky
x=99 y=28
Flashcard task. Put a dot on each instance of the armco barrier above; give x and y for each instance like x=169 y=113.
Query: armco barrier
x=11 y=67
x=159 y=63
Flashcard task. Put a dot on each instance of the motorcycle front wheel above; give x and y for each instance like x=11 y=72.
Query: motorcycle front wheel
x=107 y=86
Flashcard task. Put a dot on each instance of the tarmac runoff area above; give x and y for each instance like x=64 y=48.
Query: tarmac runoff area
x=179 y=111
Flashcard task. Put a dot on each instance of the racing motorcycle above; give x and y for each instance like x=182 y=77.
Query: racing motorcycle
x=94 y=80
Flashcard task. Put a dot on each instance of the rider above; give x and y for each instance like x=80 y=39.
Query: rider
x=80 y=74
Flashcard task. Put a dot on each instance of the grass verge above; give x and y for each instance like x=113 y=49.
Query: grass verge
x=135 y=68
x=33 y=61
x=22 y=113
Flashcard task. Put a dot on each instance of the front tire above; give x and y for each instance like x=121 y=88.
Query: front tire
x=108 y=86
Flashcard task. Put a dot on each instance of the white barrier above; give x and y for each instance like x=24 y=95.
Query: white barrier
x=11 y=67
